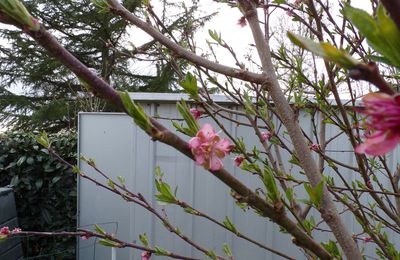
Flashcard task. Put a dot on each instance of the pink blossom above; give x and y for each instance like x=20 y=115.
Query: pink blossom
x=238 y=160
x=314 y=147
x=145 y=255
x=16 y=230
x=383 y=124
x=208 y=148
x=4 y=231
x=196 y=113
x=242 y=21
x=85 y=237
x=266 y=136
x=289 y=12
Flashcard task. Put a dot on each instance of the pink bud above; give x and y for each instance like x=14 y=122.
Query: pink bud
x=369 y=184
x=196 y=113
x=266 y=136
x=85 y=237
x=16 y=230
x=238 y=160
x=145 y=255
x=4 y=231
x=314 y=147
x=242 y=21
x=366 y=239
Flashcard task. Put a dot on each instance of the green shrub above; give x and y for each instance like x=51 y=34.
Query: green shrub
x=45 y=190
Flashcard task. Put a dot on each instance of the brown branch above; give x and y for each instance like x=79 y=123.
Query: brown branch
x=370 y=73
x=180 y=52
x=393 y=7
x=88 y=233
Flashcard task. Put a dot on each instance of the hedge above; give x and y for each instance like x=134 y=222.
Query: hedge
x=45 y=191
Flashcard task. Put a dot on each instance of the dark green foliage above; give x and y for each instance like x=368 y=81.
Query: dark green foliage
x=49 y=96
x=45 y=190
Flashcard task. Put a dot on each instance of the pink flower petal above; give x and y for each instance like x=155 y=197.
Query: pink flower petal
x=215 y=163
x=238 y=160
x=223 y=147
x=378 y=144
x=194 y=143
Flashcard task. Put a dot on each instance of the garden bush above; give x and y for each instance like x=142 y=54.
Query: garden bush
x=45 y=190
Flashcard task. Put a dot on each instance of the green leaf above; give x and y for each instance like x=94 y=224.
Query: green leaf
x=290 y=194
x=43 y=139
x=18 y=12
x=212 y=255
x=110 y=243
x=215 y=36
x=227 y=250
x=279 y=2
x=381 y=33
x=325 y=50
x=160 y=251
x=165 y=193
x=333 y=249
x=121 y=180
x=111 y=184
x=14 y=181
x=39 y=183
x=136 y=112
x=270 y=185
x=315 y=193
x=21 y=160
x=145 y=241
x=248 y=104
x=193 y=125
x=100 y=230
x=190 y=211
x=190 y=86
x=229 y=225
x=76 y=169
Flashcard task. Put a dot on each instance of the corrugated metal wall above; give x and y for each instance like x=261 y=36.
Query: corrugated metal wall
x=120 y=148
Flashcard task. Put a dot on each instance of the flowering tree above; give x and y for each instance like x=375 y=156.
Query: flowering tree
x=286 y=79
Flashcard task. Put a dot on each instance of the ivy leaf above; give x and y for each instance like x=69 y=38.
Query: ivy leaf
x=325 y=50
